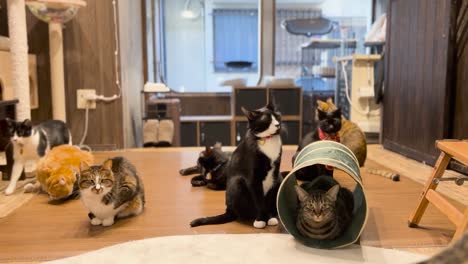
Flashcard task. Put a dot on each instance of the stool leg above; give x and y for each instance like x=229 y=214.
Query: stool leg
x=438 y=171
x=461 y=227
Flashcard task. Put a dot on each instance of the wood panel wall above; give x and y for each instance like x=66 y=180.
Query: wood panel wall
x=89 y=64
x=460 y=125
x=418 y=84
x=38 y=43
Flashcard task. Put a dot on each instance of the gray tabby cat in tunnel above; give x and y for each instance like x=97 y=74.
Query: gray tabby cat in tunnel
x=111 y=190
x=32 y=142
x=324 y=213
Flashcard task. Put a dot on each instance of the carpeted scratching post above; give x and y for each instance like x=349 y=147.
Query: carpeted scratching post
x=340 y=157
x=19 y=56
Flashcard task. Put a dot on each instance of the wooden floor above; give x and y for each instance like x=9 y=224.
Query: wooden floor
x=40 y=231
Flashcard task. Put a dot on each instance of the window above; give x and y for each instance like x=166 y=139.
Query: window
x=235 y=40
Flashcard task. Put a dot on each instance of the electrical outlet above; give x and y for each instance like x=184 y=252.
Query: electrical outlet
x=81 y=101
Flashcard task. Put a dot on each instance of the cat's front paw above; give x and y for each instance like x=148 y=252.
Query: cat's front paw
x=273 y=221
x=95 y=221
x=10 y=190
x=259 y=224
x=108 y=222
x=29 y=188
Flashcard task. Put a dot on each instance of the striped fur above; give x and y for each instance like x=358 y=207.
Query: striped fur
x=112 y=190
x=324 y=214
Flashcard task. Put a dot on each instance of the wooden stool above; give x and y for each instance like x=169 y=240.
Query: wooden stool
x=450 y=149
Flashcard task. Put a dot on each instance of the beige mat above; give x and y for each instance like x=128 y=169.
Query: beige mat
x=10 y=203
x=250 y=248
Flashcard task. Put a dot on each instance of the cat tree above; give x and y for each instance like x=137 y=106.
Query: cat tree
x=56 y=13
x=19 y=53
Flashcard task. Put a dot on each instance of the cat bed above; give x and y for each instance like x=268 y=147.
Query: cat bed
x=336 y=155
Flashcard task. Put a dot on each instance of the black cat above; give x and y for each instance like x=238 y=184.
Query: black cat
x=31 y=142
x=211 y=167
x=253 y=175
x=329 y=123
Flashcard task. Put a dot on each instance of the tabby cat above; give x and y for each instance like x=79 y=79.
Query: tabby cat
x=354 y=138
x=329 y=123
x=111 y=190
x=32 y=142
x=252 y=173
x=325 y=212
x=456 y=253
x=211 y=165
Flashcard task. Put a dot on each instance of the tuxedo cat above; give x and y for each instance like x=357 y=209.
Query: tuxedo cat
x=253 y=175
x=32 y=142
x=329 y=124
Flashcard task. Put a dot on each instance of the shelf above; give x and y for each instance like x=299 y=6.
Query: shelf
x=205 y=118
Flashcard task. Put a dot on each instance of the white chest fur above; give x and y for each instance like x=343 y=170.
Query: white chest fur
x=95 y=205
x=271 y=148
x=26 y=149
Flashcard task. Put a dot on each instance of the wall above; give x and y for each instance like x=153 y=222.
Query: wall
x=417 y=108
x=460 y=125
x=38 y=43
x=131 y=65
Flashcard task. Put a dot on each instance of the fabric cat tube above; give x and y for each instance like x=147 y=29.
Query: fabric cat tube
x=340 y=157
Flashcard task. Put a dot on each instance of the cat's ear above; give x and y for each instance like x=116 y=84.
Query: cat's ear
x=321 y=105
x=301 y=193
x=251 y=115
x=338 y=112
x=107 y=165
x=84 y=166
x=333 y=192
x=208 y=149
x=27 y=123
x=330 y=101
x=62 y=181
x=321 y=114
x=218 y=145
x=271 y=106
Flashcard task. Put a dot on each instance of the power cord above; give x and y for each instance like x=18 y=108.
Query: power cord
x=103 y=98
x=345 y=75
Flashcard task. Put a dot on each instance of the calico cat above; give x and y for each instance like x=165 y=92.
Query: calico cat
x=329 y=123
x=112 y=190
x=455 y=253
x=354 y=138
x=325 y=212
x=252 y=173
x=32 y=142
x=211 y=167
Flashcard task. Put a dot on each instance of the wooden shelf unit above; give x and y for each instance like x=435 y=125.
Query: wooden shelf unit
x=206 y=130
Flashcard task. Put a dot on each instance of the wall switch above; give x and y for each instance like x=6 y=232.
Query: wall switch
x=81 y=101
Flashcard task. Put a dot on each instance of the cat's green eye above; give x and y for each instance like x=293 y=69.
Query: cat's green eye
x=86 y=183
x=106 y=182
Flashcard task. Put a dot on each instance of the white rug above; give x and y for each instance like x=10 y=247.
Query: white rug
x=251 y=248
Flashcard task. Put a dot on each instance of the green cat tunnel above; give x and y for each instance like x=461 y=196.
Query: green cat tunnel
x=340 y=157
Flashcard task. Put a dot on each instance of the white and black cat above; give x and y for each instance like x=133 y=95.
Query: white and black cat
x=32 y=142
x=253 y=176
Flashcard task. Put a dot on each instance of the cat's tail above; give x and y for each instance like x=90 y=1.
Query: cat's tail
x=385 y=173
x=227 y=217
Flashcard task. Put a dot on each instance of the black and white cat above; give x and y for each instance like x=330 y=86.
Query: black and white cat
x=32 y=142
x=253 y=175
